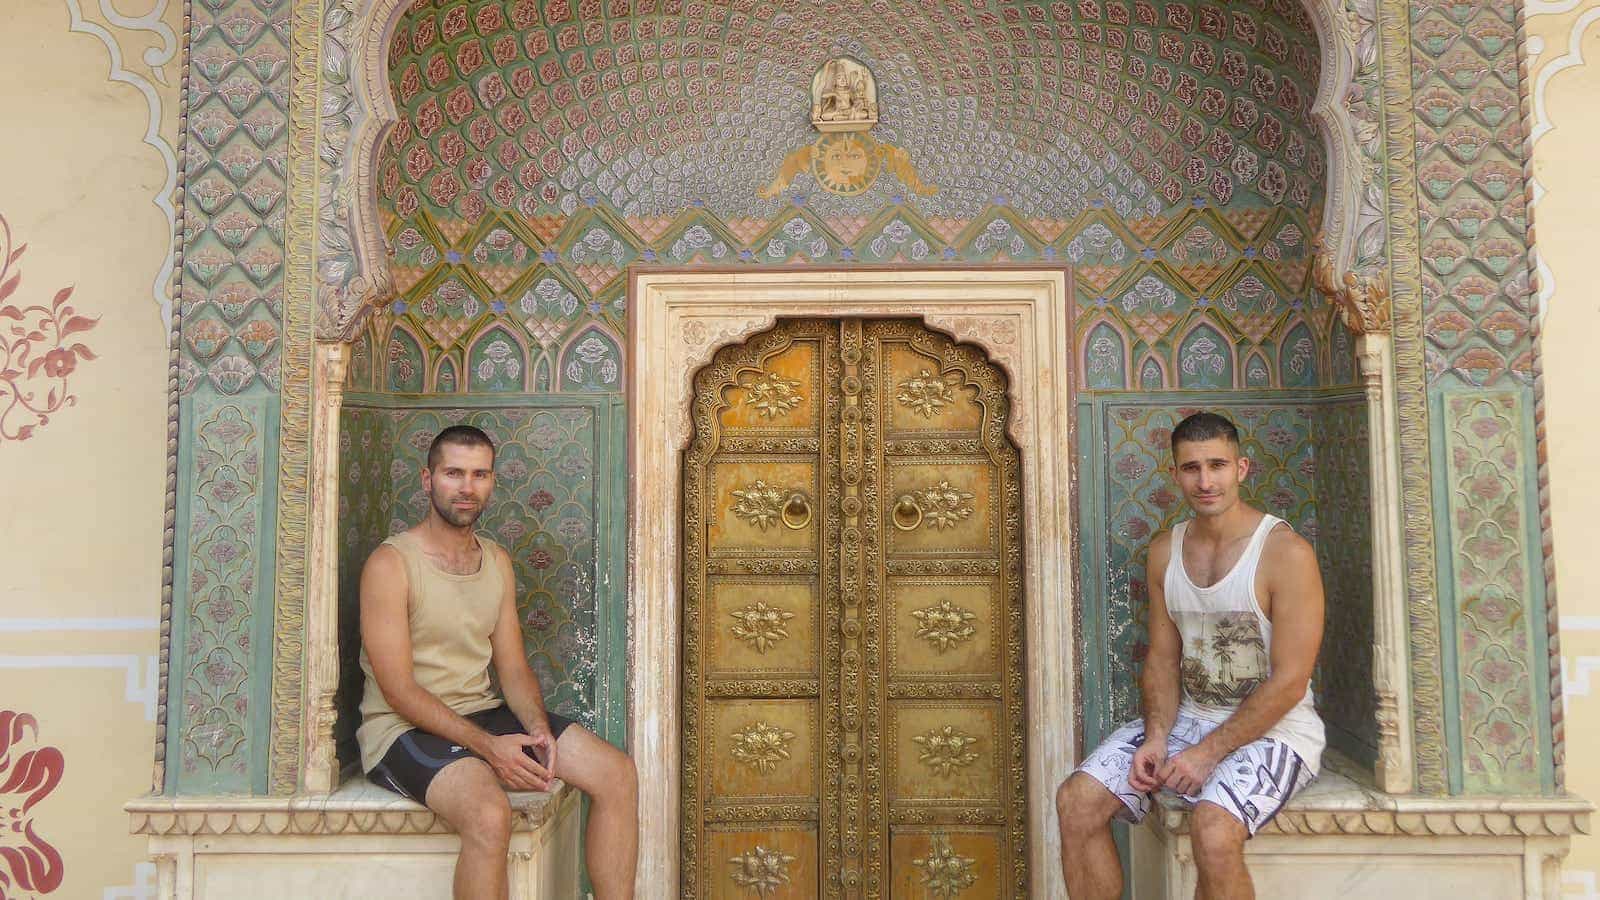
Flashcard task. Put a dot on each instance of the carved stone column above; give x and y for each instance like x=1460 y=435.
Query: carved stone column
x=321 y=773
x=1363 y=305
x=1390 y=664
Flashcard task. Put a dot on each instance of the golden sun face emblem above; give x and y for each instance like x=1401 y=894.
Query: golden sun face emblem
x=844 y=163
x=847 y=163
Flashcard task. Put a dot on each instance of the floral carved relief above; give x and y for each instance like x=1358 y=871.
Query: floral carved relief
x=761 y=871
x=760 y=626
x=37 y=352
x=760 y=504
x=926 y=394
x=941 y=506
x=28 y=773
x=772 y=395
x=945 y=625
x=946 y=749
x=761 y=746
x=945 y=873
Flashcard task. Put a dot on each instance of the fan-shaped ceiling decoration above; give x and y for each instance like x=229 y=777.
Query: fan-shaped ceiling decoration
x=653 y=107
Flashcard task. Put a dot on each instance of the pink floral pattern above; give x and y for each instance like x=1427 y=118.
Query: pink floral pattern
x=36 y=351
x=28 y=864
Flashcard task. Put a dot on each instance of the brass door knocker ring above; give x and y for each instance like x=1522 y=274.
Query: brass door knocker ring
x=796 y=511
x=907 y=513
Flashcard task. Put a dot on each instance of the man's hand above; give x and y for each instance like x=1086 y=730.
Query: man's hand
x=544 y=747
x=516 y=769
x=1144 y=776
x=1187 y=772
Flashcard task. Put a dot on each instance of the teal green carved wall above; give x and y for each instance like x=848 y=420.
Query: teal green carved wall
x=1502 y=686
x=230 y=296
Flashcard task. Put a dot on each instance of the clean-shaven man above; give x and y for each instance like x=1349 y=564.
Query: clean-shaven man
x=1235 y=622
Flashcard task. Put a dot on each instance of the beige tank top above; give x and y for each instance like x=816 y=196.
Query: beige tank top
x=1227 y=645
x=451 y=618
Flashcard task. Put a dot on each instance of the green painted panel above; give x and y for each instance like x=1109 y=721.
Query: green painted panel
x=220 y=660
x=1498 y=612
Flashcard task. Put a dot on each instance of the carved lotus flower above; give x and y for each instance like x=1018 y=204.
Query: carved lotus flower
x=945 y=873
x=761 y=746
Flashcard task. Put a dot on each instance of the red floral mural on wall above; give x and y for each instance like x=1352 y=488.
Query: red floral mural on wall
x=36 y=351
x=28 y=864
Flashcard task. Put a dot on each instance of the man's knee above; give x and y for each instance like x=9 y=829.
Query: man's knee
x=621 y=780
x=1217 y=836
x=488 y=822
x=1081 y=804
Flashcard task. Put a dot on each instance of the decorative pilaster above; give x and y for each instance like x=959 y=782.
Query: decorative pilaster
x=1390 y=659
x=321 y=768
x=1363 y=305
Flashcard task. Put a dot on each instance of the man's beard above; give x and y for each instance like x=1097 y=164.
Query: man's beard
x=458 y=518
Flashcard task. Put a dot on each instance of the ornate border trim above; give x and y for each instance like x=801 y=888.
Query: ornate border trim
x=294 y=450
x=677 y=319
x=1403 y=817
x=1534 y=125
x=320 y=815
x=169 y=513
x=1416 y=486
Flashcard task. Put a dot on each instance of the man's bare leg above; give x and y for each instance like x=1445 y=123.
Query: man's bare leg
x=1084 y=808
x=607 y=775
x=467 y=795
x=1218 y=840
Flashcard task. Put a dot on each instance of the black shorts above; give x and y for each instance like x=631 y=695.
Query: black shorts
x=411 y=762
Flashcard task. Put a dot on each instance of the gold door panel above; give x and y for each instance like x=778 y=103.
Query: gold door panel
x=760 y=506
x=921 y=397
x=761 y=626
x=771 y=863
x=763 y=749
x=941 y=863
x=779 y=396
x=937 y=508
x=943 y=627
x=945 y=751
x=852 y=620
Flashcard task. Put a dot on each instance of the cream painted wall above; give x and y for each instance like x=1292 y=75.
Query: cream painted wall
x=80 y=578
x=1564 y=69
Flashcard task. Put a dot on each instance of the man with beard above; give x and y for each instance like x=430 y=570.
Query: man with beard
x=1235 y=621
x=438 y=608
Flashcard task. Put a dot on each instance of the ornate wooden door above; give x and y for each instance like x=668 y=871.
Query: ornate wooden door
x=852 y=620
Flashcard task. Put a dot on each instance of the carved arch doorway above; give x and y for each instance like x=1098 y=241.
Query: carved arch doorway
x=852 y=623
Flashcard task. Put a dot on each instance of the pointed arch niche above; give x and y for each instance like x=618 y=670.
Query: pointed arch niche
x=355 y=279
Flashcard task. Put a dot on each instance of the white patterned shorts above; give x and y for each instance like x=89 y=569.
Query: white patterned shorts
x=1253 y=782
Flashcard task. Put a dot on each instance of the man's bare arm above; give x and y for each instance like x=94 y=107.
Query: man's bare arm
x=386 y=634
x=1158 y=684
x=1294 y=607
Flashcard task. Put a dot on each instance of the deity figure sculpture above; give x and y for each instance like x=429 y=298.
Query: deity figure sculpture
x=843 y=96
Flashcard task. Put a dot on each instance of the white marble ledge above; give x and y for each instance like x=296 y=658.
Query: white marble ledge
x=1336 y=804
x=357 y=807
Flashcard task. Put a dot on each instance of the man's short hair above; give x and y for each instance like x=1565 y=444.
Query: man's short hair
x=461 y=436
x=1204 y=426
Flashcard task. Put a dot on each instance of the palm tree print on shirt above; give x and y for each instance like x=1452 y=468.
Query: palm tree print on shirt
x=1227 y=661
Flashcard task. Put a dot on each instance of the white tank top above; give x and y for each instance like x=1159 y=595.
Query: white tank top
x=1227 y=645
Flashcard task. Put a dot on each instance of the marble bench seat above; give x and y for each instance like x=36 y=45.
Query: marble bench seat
x=360 y=841
x=1339 y=838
